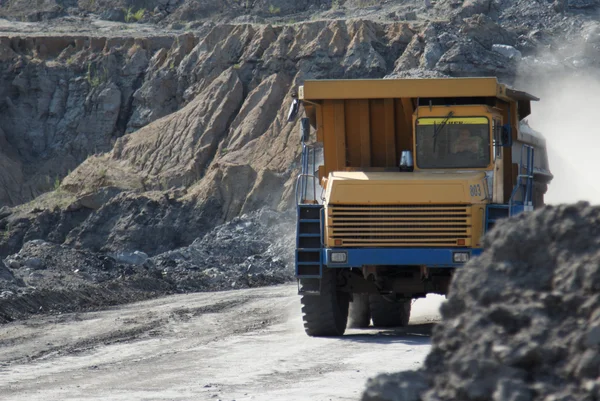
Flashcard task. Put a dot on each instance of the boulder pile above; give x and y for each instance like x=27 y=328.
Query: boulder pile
x=522 y=321
x=250 y=251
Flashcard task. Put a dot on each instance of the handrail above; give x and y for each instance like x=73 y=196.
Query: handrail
x=528 y=166
x=300 y=179
x=308 y=163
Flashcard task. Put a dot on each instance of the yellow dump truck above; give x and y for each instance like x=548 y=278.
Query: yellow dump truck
x=413 y=173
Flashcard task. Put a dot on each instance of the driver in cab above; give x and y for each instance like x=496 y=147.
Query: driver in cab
x=466 y=142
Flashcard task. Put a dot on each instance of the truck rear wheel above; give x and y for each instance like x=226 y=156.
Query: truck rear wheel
x=389 y=314
x=359 y=315
x=326 y=314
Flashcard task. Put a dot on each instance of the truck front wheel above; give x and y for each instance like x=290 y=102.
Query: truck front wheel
x=389 y=314
x=326 y=314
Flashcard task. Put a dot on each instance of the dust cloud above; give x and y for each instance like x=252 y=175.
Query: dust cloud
x=568 y=116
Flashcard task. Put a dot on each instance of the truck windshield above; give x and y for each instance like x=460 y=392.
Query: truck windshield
x=453 y=142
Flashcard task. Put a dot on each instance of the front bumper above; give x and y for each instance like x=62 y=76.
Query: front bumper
x=430 y=257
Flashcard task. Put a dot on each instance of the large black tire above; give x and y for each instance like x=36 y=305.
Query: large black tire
x=326 y=314
x=359 y=315
x=389 y=314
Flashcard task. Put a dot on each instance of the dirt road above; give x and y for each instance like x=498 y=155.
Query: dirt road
x=236 y=345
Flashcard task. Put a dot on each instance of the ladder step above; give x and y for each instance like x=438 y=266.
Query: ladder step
x=309 y=221
x=306 y=291
x=309 y=235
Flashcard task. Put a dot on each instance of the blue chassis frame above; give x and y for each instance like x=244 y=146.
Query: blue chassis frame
x=430 y=257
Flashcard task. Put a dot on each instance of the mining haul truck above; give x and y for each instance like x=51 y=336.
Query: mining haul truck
x=403 y=180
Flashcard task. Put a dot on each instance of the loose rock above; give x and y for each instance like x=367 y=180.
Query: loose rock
x=254 y=250
x=521 y=321
x=34 y=263
x=507 y=51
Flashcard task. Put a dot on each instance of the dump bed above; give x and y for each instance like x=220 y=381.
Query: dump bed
x=366 y=124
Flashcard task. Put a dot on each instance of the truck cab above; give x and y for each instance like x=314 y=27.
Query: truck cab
x=414 y=173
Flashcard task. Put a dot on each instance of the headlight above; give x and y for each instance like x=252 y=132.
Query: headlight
x=338 y=257
x=460 y=257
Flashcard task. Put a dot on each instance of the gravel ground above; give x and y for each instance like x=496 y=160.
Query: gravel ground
x=230 y=345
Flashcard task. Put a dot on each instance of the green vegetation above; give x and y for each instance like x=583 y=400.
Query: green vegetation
x=367 y=3
x=53 y=200
x=274 y=10
x=134 y=16
x=163 y=184
x=71 y=59
x=6 y=233
x=188 y=181
x=94 y=78
x=56 y=185
x=335 y=4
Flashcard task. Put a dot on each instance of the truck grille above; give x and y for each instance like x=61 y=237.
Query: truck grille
x=399 y=225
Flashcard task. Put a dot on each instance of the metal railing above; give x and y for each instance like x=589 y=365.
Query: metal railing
x=308 y=169
x=307 y=176
x=524 y=180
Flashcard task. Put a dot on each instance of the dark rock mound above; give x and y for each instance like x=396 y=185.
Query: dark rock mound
x=522 y=321
x=255 y=249
x=250 y=251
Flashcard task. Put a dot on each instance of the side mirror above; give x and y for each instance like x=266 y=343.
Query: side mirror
x=293 y=110
x=506 y=136
x=305 y=130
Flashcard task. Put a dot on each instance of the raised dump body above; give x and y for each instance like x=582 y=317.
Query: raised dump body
x=414 y=172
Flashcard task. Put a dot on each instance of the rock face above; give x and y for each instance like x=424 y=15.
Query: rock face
x=197 y=113
x=194 y=115
x=145 y=132
x=522 y=322
x=68 y=101
x=5 y=274
x=195 y=125
x=157 y=10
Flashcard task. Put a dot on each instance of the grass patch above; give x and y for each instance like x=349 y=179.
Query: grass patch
x=94 y=78
x=367 y=3
x=134 y=16
x=102 y=173
x=48 y=201
x=71 y=59
x=274 y=10
x=5 y=234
